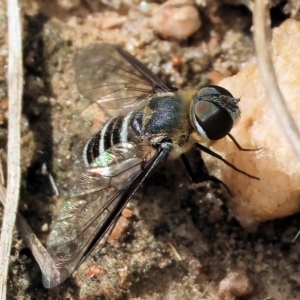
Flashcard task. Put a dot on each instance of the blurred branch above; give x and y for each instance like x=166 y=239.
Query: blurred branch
x=262 y=34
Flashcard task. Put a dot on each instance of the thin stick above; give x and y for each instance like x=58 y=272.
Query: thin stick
x=264 y=57
x=33 y=243
x=15 y=91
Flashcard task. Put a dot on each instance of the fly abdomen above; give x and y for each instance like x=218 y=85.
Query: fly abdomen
x=115 y=131
x=97 y=143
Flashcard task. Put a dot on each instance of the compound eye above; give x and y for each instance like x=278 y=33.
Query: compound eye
x=215 y=121
x=212 y=90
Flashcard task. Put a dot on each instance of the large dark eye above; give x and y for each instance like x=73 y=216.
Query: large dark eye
x=214 y=111
x=215 y=121
x=212 y=90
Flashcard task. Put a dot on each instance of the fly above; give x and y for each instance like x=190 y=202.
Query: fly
x=154 y=122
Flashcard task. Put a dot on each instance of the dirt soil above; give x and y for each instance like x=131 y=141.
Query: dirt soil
x=178 y=240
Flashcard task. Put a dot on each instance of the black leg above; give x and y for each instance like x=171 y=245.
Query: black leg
x=201 y=174
x=212 y=153
x=240 y=147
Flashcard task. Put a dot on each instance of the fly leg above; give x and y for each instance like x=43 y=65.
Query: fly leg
x=216 y=155
x=201 y=174
x=239 y=146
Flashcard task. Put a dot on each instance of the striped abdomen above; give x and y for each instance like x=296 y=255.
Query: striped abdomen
x=115 y=131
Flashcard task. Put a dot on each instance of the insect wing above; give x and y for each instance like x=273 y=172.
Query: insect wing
x=94 y=198
x=110 y=76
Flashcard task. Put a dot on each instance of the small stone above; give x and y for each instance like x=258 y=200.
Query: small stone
x=235 y=284
x=95 y=271
x=68 y=4
x=45 y=227
x=176 y=19
x=127 y=213
x=42 y=99
x=119 y=229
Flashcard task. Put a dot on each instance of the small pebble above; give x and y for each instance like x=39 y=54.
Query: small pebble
x=176 y=19
x=68 y=4
x=118 y=231
x=95 y=271
x=45 y=227
x=235 y=284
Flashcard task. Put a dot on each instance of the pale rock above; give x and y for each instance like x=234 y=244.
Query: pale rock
x=277 y=193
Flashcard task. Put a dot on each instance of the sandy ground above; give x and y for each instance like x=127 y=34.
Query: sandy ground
x=179 y=240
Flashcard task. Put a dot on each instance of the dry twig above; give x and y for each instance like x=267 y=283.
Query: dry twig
x=15 y=91
x=33 y=243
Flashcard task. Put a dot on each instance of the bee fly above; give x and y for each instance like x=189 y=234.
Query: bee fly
x=154 y=121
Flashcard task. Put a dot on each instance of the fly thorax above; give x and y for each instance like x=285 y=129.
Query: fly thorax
x=213 y=112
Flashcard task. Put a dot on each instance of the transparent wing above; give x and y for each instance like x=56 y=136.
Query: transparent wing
x=110 y=76
x=92 y=209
